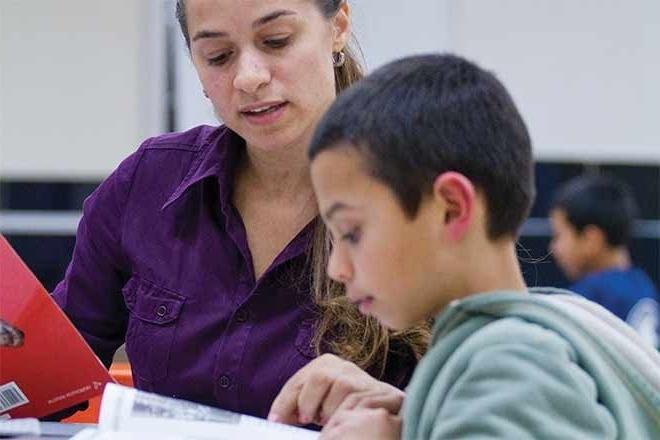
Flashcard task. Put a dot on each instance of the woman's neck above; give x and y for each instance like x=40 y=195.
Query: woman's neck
x=282 y=174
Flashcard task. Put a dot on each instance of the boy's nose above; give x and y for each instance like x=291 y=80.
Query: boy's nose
x=339 y=267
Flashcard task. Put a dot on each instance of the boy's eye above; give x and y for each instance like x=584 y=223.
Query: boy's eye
x=352 y=237
x=220 y=59
x=276 y=43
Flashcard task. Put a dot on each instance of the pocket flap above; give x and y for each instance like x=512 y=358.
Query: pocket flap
x=305 y=338
x=151 y=303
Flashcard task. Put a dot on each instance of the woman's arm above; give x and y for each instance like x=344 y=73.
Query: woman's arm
x=90 y=293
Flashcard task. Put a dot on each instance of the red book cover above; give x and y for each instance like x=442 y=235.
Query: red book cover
x=45 y=365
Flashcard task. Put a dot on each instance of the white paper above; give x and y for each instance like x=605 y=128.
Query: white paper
x=128 y=410
x=16 y=427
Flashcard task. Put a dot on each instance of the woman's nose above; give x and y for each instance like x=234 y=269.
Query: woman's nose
x=252 y=73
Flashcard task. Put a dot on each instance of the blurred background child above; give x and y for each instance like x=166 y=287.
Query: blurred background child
x=591 y=219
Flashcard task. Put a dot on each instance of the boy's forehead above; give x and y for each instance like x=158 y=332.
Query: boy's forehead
x=560 y=222
x=340 y=172
x=342 y=160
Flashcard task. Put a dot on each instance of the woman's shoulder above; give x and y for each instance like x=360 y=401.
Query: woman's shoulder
x=193 y=139
x=171 y=156
x=163 y=163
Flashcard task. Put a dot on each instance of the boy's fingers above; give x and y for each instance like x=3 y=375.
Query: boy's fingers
x=390 y=400
x=285 y=406
x=291 y=406
x=342 y=387
x=313 y=394
x=330 y=429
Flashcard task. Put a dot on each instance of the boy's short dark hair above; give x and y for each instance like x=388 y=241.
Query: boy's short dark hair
x=601 y=201
x=420 y=116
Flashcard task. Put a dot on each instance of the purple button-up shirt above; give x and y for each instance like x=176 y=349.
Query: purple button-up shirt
x=162 y=262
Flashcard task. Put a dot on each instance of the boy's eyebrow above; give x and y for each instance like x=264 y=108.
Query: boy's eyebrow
x=258 y=22
x=332 y=210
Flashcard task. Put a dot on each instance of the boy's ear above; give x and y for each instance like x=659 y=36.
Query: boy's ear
x=459 y=197
x=341 y=25
x=593 y=238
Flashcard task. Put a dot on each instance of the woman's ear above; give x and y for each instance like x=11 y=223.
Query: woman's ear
x=341 y=26
x=458 y=196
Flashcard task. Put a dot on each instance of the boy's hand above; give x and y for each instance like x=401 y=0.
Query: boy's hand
x=362 y=424
x=316 y=391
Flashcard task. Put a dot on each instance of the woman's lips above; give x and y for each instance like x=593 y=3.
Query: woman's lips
x=264 y=114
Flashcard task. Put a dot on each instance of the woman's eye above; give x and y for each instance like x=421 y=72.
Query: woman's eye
x=276 y=43
x=220 y=59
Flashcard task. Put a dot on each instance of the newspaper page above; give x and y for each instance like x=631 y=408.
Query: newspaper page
x=138 y=414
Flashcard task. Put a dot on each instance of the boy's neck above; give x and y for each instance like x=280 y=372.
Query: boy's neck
x=610 y=259
x=495 y=267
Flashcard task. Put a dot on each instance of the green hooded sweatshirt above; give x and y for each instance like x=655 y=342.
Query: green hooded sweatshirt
x=547 y=364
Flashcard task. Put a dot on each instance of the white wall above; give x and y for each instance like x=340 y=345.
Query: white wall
x=192 y=108
x=80 y=84
x=584 y=72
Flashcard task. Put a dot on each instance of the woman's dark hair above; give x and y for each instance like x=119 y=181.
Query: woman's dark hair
x=341 y=328
x=601 y=201
x=421 y=116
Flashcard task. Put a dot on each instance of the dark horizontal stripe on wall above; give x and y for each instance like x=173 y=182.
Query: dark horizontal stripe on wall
x=643 y=180
x=540 y=269
x=541 y=227
x=46 y=256
x=44 y=195
x=645 y=184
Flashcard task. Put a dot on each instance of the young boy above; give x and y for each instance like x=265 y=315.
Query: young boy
x=423 y=173
x=591 y=220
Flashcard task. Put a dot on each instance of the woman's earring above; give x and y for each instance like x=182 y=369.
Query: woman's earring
x=338 y=58
x=205 y=93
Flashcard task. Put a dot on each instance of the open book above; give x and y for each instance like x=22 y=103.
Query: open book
x=127 y=413
x=45 y=365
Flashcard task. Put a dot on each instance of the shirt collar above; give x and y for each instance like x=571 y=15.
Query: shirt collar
x=217 y=157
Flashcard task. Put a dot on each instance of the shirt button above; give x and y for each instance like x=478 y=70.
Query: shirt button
x=161 y=311
x=242 y=315
x=224 y=381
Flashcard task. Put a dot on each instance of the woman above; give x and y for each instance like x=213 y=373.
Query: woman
x=202 y=251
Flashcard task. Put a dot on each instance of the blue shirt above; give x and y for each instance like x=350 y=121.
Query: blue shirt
x=162 y=263
x=629 y=294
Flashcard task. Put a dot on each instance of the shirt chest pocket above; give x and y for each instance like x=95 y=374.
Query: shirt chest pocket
x=153 y=315
x=303 y=353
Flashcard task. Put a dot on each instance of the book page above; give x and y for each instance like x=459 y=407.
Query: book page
x=129 y=410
